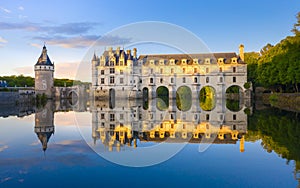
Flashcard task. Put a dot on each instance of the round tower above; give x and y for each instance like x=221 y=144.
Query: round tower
x=44 y=70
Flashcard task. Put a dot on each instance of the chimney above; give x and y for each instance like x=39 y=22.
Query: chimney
x=134 y=53
x=118 y=51
x=241 y=49
x=128 y=52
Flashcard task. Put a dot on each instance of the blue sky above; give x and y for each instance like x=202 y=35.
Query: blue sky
x=70 y=27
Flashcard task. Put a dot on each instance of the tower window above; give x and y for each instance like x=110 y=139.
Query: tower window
x=234 y=79
x=234 y=116
x=195 y=80
x=161 y=80
x=234 y=69
x=207 y=117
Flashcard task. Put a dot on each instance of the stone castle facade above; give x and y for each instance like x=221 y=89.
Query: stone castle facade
x=125 y=75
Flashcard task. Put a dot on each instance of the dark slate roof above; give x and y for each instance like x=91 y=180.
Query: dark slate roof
x=41 y=61
x=178 y=57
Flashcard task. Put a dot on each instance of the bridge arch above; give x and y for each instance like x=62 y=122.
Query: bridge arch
x=234 y=96
x=184 y=98
x=207 y=98
x=162 y=98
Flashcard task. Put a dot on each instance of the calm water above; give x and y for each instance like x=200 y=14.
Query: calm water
x=55 y=146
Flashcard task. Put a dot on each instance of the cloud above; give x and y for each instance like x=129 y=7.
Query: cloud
x=73 y=28
x=5 y=10
x=36 y=45
x=2 y=148
x=2 y=40
x=21 y=8
x=69 y=42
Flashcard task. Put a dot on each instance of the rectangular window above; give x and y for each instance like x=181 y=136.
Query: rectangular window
x=221 y=79
x=196 y=80
x=102 y=116
x=161 y=71
x=207 y=80
x=111 y=80
x=234 y=116
x=121 y=72
x=183 y=70
x=220 y=69
x=102 y=72
x=112 y=70
x=161 y=80
x=121 y=63
x=207 y=117
x=234 y=69
x=112 y=117
x=121 y=116
x=183 y=80
x=234 y=79
x=151 y=80
x=151 y=71
x=121 y=80
x=102 y=80
x=172 y=71
x=172 y=80
x=207 y=70
x=195 y=70
x=111 y=126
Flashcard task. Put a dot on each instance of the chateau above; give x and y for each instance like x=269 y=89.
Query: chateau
x=121 y=74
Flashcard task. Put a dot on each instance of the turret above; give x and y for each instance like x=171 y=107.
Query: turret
x=44 y=69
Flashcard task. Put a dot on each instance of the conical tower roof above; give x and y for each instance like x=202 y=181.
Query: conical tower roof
x=44 y=58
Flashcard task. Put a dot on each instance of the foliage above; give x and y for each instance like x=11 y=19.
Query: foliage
x=22 y=81
x=184 y=98
x=247 y=85
x=233 y=89
x=233 y=105
x=207 y=98
x=162 y=98
x=279 y=131
x=277 y=67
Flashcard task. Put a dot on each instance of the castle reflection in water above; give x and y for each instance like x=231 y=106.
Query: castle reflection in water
x=121 y=122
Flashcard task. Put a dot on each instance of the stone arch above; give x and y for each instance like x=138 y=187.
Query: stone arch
x=234 y=95
x=73 y=97
x=207 y=98
x=145 y=98
x=184 y=98
x=112 y=96
x=162 y=98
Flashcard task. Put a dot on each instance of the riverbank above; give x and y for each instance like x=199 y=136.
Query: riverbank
x=285 y=101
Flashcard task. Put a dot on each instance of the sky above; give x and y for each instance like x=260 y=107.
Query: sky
x=70 y=28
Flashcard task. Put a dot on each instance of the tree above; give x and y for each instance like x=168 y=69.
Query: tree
x=295 y=29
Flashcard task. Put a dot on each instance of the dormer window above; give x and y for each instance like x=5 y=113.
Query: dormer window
x=234 y=60
x=152 y=62
x=172 y=61
x=195 y=61
x=207 y=60
x=161 y=62
x=183 y=61
x=221 y=60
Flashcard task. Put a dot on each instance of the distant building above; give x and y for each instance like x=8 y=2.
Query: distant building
x=44 y=80
x=120 y=74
